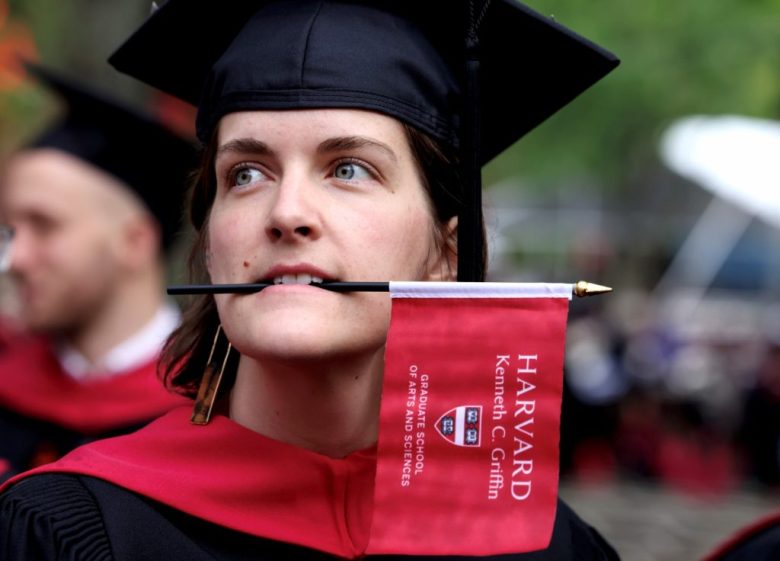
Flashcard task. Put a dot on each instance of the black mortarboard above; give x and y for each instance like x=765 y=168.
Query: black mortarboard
x=143 y=154
x=404 y=58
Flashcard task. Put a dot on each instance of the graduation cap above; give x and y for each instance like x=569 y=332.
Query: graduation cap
x=474 y=74
x=152 y=161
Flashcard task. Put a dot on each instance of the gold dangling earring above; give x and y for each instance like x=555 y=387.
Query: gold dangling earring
x=209 y=385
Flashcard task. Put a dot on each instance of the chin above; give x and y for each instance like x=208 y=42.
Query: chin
x=295 y=344
x=307 y=331
x=43 y=326
x=34 y=319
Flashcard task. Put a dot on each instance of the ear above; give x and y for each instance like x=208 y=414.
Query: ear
x=140 y=241
x=444 y=267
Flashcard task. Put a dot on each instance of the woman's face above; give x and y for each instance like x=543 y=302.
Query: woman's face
x=331 y=194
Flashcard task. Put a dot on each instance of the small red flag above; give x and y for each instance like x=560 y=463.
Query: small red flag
x=470 y=415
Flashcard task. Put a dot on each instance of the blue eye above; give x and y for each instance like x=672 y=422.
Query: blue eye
x=246 y=176
x=350 y=171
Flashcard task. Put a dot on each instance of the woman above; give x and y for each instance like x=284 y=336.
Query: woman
x=331 y=131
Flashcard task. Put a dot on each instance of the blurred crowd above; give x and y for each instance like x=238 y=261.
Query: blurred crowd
x=692 y=403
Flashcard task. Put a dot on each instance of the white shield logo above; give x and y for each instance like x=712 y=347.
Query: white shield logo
x=462 y=425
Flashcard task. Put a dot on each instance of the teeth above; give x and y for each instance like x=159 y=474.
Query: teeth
x=301 y=278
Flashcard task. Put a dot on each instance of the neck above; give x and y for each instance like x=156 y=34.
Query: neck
x=131 y=307
x=329 y=408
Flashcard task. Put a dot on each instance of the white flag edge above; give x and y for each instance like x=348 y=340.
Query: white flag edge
x=421 y=289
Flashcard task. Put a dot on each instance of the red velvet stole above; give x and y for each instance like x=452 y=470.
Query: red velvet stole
x=231 y=476
x=33 y=384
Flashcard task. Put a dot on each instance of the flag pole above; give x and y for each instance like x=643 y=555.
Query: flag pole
x=580 y=288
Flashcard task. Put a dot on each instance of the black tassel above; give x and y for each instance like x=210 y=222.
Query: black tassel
x=470 y=226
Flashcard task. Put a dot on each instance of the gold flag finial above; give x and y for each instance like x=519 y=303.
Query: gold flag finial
x=585 y=288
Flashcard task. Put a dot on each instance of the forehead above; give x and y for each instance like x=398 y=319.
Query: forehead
x=314 y=124
x=47 y=181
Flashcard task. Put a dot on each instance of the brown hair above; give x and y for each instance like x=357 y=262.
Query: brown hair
x=187 y=349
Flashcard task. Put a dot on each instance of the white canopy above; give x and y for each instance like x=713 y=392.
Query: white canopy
x=736 y=158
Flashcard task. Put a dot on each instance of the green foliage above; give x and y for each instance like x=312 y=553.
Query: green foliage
x=75 y=37
x=678 y=58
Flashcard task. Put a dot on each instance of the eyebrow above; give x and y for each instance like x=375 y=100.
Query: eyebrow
x=340 y=143
x=244 y=146
x=336 y=144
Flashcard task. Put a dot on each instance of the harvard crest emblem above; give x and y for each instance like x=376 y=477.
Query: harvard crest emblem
x=462 y=425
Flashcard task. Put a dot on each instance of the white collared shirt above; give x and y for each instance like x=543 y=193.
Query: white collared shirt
x=136 y=350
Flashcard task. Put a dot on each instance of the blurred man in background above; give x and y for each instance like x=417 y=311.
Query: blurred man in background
x=87 y=210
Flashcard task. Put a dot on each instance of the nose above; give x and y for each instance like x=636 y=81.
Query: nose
x=16 y=250
x=6 y=237
x=295 y=214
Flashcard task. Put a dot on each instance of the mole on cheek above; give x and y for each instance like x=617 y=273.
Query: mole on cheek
x=246 y=263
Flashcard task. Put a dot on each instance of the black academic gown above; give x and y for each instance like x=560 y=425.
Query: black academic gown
x=220 y=492
x=66 y=517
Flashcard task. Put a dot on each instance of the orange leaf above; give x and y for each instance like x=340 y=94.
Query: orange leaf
x=15 y=43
